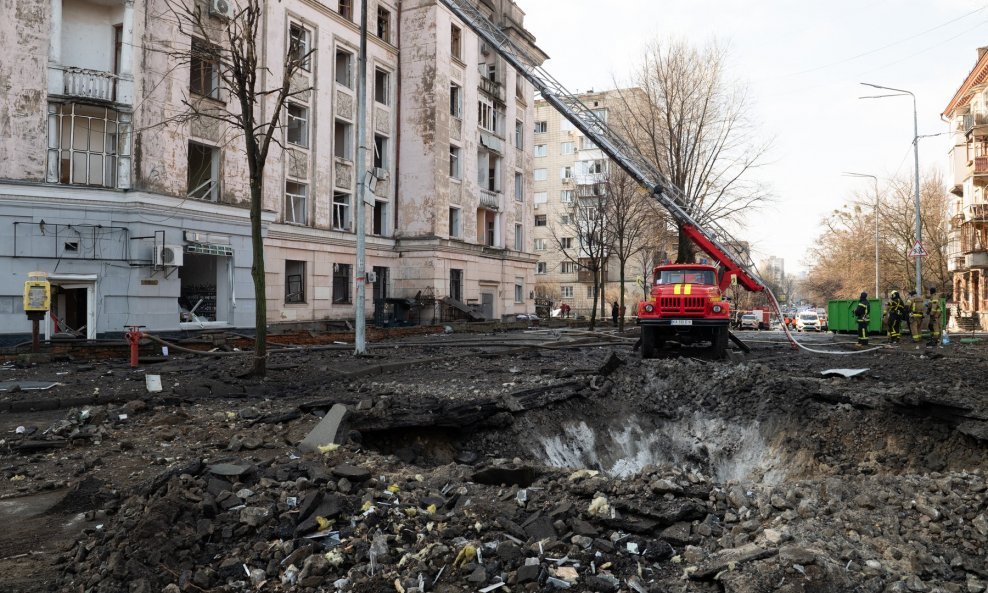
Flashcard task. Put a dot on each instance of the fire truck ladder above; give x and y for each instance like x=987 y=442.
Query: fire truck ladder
x=710 y=237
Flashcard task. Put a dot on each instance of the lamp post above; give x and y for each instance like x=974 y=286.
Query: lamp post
x=919 y=220
x=877 y=236
x=359 y=301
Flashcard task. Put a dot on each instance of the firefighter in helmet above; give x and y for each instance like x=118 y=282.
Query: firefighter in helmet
x=916 y=307
x=897 y=312
x=861 y=315
x=936 y=313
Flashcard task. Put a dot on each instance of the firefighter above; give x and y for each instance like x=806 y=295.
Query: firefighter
x=935 y=313
x=915 y=316
x=897 y=312
x=861 y=315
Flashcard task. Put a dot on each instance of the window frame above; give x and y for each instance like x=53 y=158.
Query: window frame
x=382 y=79
x=347 y=69
x=291 y=205
x=456 y=41
x=540 y=151
x=541 y=220
x=300 y=299
x=303 y=141
x=542 y=127
x=341 y=284
x=455 y=100
x=345 y=9
x=383 y=29
x=300 y=45
x=519 y=237
x=203 y=54
x=347 y=144
x=341 y=212
x=455 y=226
x=455 y=161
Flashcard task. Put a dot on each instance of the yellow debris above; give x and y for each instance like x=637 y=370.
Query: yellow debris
x=431 y=509
x=367 y=505
x=411 y=511
x=323 y=523
x=393 y=488
x=328 y=448
x=467 y=554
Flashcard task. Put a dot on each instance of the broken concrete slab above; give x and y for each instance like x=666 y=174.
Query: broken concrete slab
x=328 y=431
x=846 y=373
x=725 y=559
x=230 y=469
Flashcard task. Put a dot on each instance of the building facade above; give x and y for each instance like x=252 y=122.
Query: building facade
x=967 y=116
x=139 y=215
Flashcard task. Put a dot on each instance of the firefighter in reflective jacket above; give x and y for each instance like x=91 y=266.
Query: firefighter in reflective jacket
x=935 y=313
x=861 y=315
x=897 y=312
x=916 y=307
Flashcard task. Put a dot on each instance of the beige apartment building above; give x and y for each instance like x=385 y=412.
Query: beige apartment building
x=568 y=166
x=136 y=222
x=967 y=115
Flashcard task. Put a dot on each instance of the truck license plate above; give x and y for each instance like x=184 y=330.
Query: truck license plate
x=682 y=322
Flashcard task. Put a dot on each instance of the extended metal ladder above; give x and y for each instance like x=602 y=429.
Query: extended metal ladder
x=613 y=145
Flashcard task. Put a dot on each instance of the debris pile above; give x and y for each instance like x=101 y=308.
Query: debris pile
x=351 y=520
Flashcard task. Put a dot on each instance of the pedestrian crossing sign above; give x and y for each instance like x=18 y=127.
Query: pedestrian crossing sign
x=918 y=251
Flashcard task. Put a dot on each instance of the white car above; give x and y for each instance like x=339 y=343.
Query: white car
x=749 y=321
x=808 y=321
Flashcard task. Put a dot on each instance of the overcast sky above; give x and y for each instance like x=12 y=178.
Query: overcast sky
x=802 y=63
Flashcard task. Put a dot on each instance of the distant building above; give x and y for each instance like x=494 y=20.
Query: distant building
x=774 y=269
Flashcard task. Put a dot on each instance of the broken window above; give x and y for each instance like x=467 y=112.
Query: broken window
x=204 y=69
x=344 y=68
x=84 y=143
x=346 y=9
x=380 y=218
x=455 y=100
x=343 y=140
x=202 y=174
x=383 y=275
x=455 y=227
x=541 y=267
x=456 y=284
x=296 y=194
x=299 y=40
x=341 y=211
x=519 y=290
x=519 y=134
x=341 y=284
x=294 y=281
x=519 y=237
x=454 y=161
x=519 y=187
x=384 y=24
x=540 y=220
x=541 y=127
x=382 y=81
x=298 y=124
x=455 y=41
x=380 y=152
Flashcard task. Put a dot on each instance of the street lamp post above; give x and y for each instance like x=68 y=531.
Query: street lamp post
x=919 y=220
x=877 y=235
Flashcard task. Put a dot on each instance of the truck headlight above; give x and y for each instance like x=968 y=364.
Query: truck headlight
x=649 y=308
x=717 y=309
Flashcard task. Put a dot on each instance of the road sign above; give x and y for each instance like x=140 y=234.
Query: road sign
x=918 y=251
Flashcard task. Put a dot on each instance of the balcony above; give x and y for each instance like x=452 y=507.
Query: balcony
x=492 y=87
x=955 y=264
x=976 y=121
x=976 y=260
x=490 y=200
x=83 y=83
x=976 y=212
x=981 y=169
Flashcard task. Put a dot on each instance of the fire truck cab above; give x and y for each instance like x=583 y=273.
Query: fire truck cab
x=686 y=304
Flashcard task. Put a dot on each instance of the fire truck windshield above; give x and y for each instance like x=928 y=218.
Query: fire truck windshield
x=686 y=277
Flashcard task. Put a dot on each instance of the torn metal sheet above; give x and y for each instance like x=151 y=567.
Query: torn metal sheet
x=846 y=373
x=28 y=385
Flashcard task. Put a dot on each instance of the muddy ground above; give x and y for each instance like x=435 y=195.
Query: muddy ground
x=527 y=461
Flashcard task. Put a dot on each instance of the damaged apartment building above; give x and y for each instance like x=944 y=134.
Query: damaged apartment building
x=141 y=217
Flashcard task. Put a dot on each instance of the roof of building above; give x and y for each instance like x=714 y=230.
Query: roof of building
x=977 y=76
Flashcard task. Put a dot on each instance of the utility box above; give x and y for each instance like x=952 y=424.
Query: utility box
x=840 y=316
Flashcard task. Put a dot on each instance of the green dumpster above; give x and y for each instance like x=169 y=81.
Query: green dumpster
x=840 y=316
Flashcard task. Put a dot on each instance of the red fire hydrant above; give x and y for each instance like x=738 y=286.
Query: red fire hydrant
x=134 y=335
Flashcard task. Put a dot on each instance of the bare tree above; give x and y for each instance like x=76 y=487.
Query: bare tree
x=685 y=117
x=843 y=261
x=227 y=57
x=583 y=238
x=630 y=216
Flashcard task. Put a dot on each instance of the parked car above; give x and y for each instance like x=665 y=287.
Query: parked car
x=749 y=321
x=808 y=321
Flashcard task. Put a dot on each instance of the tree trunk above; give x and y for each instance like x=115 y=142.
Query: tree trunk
x=257 y=273
x=596 y=295
x=686 y=250
x=621 y=308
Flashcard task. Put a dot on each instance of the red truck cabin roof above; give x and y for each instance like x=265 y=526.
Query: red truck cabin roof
x=685 y=274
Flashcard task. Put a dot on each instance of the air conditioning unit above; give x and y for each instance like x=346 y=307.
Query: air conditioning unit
x=221 y=8
x=485 y=49
x=168 y=255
